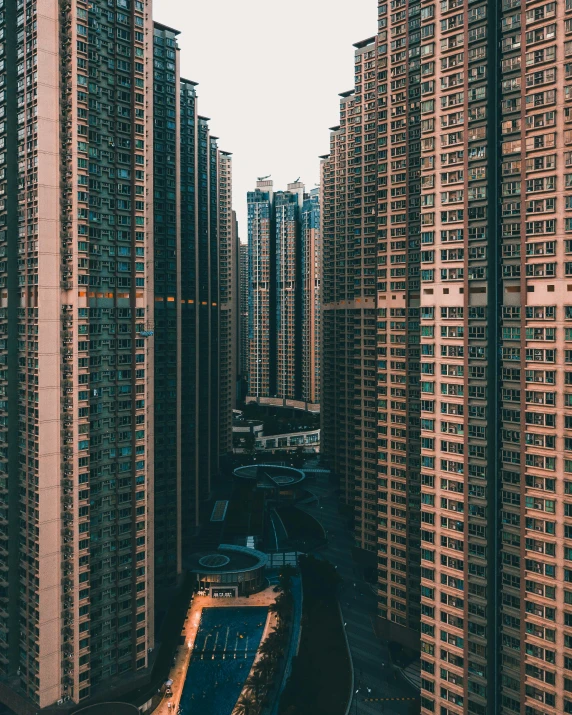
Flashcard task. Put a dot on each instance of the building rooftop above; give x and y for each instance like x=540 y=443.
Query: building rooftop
x=364 y=43
x=219 y=511
x=166 y=28
x=270 y=475
x=227 y=558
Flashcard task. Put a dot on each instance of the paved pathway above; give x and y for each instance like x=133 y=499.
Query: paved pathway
x=371 y=659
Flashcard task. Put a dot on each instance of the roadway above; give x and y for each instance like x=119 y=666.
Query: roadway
x=375 y=677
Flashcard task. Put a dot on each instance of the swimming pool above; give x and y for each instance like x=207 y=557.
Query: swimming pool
x=224 y=650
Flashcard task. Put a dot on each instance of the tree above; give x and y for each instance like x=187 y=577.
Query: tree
x=270 y=649
x=282 y=607
x=250 y=444
x=256 y=682
x=246 y=705
x=285 y=578
x=266 y=669
x=298 y=457
x=280 y=639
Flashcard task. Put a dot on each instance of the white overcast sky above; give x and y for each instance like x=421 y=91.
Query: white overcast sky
x=269 y=74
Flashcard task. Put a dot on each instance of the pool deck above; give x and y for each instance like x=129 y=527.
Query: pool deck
x=183 y=654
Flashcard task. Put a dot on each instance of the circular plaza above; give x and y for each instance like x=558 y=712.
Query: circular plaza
x=279 y=482
x=230 y=571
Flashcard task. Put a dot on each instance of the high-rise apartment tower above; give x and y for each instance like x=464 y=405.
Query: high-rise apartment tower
x=76 y=294
x=371 y=341
x=261 y=292
x=236 y=312
x=243 y=298
x=94 y=229
x=284 y=246
x=226 y=260
x=311 y=258
x=167 y=310
x=192 y=320
x=205 y=188
x=459 y=122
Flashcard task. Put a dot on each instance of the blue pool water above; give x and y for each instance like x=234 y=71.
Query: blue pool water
x=225 y=646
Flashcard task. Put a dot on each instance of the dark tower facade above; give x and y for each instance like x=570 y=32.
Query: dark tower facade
x=167 y=305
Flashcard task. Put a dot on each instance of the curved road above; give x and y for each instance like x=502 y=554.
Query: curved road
x=372 y=664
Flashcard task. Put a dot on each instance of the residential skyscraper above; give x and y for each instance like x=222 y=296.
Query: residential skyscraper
x=236 y=313
x=311 y=250
x=206 y=397
x=167 y=306
x=361 y=431
x=227 y=348
x=192 y=319
x=474 y=563
x=261 y=292
x=94 y=230
x=283 y=308
x=76 y=416
x=287 y=276
x=452 y=154
x=243 y=339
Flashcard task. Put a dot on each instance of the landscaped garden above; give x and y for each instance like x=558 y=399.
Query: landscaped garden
x=320 y=683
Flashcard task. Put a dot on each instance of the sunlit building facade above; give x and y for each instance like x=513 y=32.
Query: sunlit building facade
x=466 y=130
x=76 y=294
x=91 y=239
x=228 y=303
x=498 y=299
x=370 y=359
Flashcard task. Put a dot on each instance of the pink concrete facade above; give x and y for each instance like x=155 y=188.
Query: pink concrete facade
x=473 y=196
x=48 y=295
